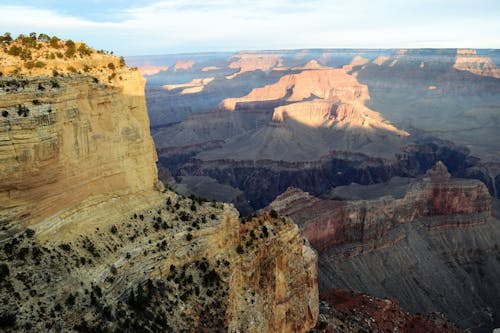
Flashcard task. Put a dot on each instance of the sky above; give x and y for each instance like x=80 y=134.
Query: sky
x=148 y=27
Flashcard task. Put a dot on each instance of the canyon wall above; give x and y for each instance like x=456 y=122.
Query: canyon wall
x=91 y=241
x=419 y=247
x=77 y=136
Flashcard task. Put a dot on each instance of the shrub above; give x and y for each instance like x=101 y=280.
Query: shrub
x=15 y=50
x=189 y=237
x=7 y=319
x=83 y=49
x=4 y=271
x=23 y=111
x=114 y=230
x=111 y=66
x=54 y=42
x=72 y=69
x=6 y=38
x=5 y=113
x=273 y=214
x=239 y=249
x=40 y=64
x=264 y=231
x=43 y=38
x=29 y=64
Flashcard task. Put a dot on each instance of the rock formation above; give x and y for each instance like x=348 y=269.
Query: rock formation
x=436 y=236
x=91 y=241
x=248 y=62
x=149 y=70
x=84 y=134
x=468 y=60
x=314 y=112
x=182 y=65
x=347 y=312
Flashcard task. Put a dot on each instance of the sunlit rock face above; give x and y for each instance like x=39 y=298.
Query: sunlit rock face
x=66 y=139
x=468 y=60
x=313 y=112
x=253 y=61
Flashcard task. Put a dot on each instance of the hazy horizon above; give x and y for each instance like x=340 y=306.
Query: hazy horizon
x=153 y=27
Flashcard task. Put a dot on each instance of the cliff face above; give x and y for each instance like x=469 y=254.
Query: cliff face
x=418 y=247
x=90 y=240
x=327 y=224
x=71 y=135
x=470 y=61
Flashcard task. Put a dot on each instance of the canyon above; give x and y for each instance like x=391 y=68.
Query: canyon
x=91 y=240
x=417 y=241
x=344 y=141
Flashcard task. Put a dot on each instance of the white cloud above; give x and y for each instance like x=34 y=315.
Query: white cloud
x=216 y=25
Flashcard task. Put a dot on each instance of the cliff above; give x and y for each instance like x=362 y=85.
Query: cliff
x=330 y=223
x=71 y=134
x=417 y=242
x=91 y=241
x=468 y=60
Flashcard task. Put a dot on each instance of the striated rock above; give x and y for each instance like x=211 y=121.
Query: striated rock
x=328 y=84
x=71 y=135
x=192 y=87
x=418 y=243
x=314 y=112
x=248 y=62
x=330 y=223
x=468 y=60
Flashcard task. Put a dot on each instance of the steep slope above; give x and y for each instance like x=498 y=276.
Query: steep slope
x=84 y=134
x=419 y=248
x=91 y=241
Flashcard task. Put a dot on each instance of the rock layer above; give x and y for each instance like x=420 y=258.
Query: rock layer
x=419 y=247
x=91 y=241
x=76 y=136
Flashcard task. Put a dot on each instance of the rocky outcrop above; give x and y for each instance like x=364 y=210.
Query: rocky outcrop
x=91 y=241
x=418 y=247
x=328 y=84
x=468 y=60
x=183 y=65
x=347 y=312
x=248 y=62
x=328 y=224
x=149 y=70
x=314 y=112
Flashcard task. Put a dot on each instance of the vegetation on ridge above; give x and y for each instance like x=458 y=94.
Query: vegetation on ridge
x=49 y=55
